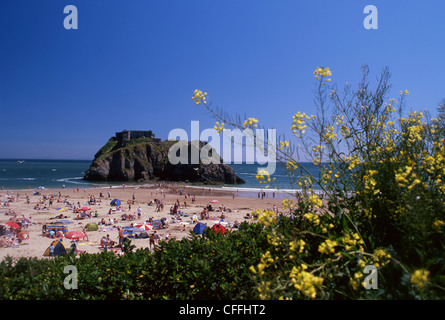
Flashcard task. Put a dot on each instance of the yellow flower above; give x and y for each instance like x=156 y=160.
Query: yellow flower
x=284 y=144
x=267 y=217
x=305 y=282
x=291 y=165
x=312 y=217
x=302 y=244
x=317 y=153
x=299 y=123
x=251 y=122
x=438 y=223
x=263 y=176
x=355 y=285
x=316 y=161
x=324 y=72
x=315 y=201
x=404 y=92
x=273 y=240
x=219 y=127
x=327 y=247
x=293 y=245
x=330 y=135
x=199 y=96
x=287 y=203
x=381 y=257
x=261 y=267
x=420 y=277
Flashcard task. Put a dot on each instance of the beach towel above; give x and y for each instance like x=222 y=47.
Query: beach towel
x=84 y=243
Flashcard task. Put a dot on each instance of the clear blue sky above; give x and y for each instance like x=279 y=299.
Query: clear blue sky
x=134 y=64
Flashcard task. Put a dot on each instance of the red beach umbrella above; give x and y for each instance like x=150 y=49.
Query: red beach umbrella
x=75 y=235
x=85 y=208
x=13 y=225
x=144 y=226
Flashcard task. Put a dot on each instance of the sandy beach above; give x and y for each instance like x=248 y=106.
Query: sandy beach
x=12 y=208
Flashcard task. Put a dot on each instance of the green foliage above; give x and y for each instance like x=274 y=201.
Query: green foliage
x=212 y=266
x=111 y=143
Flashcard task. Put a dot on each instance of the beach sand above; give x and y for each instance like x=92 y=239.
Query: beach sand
x=37 y=244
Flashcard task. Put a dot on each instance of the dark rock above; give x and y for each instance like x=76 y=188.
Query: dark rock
x=147 y=159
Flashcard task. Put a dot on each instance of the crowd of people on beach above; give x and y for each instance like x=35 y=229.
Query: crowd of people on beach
x=116 y=216
x=14 y=234
x=46 y=202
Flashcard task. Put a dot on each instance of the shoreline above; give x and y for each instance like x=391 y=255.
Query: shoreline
x=239 y=190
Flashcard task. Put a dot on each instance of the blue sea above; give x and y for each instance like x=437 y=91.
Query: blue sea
x=18 y=174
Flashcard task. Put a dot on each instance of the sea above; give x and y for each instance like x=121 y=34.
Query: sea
x=22 y=174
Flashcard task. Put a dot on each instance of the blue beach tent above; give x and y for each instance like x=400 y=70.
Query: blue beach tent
x=59 y=248
x=199 y=228
x=115 y=202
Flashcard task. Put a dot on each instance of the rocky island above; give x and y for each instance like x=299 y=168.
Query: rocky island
x=139 y=156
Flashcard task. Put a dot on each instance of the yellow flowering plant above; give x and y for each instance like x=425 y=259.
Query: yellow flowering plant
x=381 y=201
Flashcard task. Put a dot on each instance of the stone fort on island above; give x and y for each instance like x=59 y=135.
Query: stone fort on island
x=135 y=134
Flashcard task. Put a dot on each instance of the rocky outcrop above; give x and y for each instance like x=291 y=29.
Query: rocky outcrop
x=146 y=159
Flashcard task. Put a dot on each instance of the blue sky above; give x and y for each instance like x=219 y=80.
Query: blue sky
x=134 y=64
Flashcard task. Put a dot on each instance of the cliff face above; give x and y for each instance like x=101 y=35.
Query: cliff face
x=146 y=159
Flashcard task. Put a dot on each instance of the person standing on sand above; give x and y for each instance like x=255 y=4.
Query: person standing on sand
x=85 y=233
x=152 y=240
x=121 y=235
x=51 y=249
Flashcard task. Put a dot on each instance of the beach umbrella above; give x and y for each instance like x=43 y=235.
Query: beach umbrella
x=13 y=225
x=144 y=226
x=61 y=209
x=85 y=209
x=115 y=202
x=214 y=201
x=75 y=235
